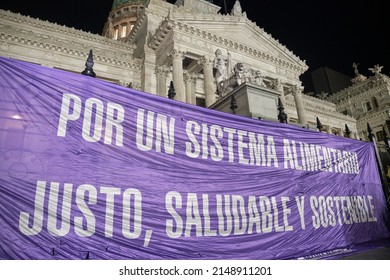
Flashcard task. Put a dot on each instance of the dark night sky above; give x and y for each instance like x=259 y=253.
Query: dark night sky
x=324 y=33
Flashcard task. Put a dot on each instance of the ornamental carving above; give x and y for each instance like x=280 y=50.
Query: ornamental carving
x=229 y=75
x=194 y=6
x=376 y=69
x=176 y=54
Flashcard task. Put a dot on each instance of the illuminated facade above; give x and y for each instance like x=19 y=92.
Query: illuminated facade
x=147 y=44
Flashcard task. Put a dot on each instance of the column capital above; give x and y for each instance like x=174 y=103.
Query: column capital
x=205 y=61
x=187 y=77
x=277 y=84
x=176 y=54
x=194 y=77
x=190 y=77
x=296 y=89
x=162 y=70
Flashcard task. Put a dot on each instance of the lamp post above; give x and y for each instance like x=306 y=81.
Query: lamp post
x=171 y=91
x=319 y=124
x=282 y=116
x=347 y=131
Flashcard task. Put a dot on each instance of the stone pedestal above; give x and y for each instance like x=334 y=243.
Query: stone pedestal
x=252 y=101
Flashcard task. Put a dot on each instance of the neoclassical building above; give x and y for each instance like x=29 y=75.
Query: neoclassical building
x=208 y=56
x=368 y=101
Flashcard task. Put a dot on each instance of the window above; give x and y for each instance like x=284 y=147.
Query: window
x=375 y=102
x=123 y=31
x=368 y=106
x=116 y=32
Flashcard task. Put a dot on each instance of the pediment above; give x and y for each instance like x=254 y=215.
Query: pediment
x=242 y=31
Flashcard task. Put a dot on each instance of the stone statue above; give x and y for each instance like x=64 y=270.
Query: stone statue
x=355 y=65
x=227 y=76
x=219 y=64
x=223 y=67
x=240 y=75
x=258 y=80
x=358 y=77
x=275 y=84
x=376 y=70
x=237 y=10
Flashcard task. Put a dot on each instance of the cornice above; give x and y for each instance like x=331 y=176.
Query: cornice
x=332 y=115
x=328 y=110
x=374 y=115
x=160 y=34
x=159 y=3
x=136 y=27
x=362 y=89
x=56 y=42
x=359 y=97
x=62 y=30
x=69 y=49
x=318 y=101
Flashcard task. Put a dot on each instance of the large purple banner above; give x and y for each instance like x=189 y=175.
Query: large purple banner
x=93 y=170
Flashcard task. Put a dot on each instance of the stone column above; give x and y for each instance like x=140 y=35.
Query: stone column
x=299 y=104
x=190 y=88
x=209 y=85
x=162 y=87
x=178 y=81
x=193 y=80
x=148 y=83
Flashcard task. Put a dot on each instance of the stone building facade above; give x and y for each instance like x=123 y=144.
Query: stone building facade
x=368 y=101
x=146 y=44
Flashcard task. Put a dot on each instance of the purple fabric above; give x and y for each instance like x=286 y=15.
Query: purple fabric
x=93 y=170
